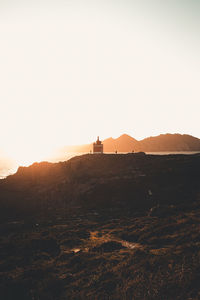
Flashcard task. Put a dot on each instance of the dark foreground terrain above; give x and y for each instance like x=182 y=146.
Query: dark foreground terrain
x=102 y=227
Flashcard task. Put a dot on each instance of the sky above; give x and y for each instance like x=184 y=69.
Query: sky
x=72 y=70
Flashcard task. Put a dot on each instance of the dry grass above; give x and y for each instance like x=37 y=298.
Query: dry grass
x=40 y=262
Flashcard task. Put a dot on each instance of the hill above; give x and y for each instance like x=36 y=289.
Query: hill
x=105 y=226
x=101 y=180
x=170 y=142
x=163 y=142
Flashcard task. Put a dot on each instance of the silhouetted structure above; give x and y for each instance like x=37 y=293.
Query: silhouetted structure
x=98 y=147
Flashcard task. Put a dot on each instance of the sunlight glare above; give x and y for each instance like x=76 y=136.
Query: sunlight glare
x=25 y=156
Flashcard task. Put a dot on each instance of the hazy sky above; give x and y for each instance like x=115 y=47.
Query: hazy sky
x=72 y=70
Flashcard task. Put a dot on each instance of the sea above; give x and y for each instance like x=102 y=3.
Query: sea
x=7 y=169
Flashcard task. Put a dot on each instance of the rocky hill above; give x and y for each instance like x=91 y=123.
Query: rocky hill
x=111 y=226
x=100 y=181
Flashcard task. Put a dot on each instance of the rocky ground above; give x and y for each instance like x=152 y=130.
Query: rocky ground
x=102 y=227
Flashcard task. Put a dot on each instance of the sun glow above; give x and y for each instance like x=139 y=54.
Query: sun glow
x=72 y=71
x=26 y=155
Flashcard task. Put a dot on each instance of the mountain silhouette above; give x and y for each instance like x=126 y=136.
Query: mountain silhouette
x=170 y=142
x=163 y=142
x=126 y=143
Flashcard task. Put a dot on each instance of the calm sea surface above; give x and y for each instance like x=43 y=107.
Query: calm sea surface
x=6 y=170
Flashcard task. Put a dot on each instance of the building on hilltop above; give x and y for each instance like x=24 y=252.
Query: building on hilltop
x=97 y=147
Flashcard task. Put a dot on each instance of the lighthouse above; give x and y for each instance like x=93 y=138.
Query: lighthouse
x=98 y=147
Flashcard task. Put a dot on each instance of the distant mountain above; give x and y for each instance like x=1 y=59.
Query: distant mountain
x=170 y=142
x=163 y=142
x=126 y=143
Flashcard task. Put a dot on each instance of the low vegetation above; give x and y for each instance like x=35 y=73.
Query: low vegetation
x=118 y=236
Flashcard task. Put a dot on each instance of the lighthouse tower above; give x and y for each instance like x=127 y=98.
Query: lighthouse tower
x=98 y=147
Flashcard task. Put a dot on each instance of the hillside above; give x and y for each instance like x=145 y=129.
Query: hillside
x=105 y=178
x=109 y=226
